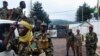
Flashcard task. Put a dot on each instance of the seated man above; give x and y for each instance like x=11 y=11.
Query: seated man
x=21 y=47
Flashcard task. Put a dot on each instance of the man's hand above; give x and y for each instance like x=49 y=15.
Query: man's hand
x=13 y=26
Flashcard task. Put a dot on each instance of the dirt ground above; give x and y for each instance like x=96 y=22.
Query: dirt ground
x=60 y=47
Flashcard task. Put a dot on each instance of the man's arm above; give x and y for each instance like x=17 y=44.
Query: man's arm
x=82 y=38
x=96 y=38
x=74 y=37
x=50 y=42
x=50 y=48
x=86 y=41
x=6 y=40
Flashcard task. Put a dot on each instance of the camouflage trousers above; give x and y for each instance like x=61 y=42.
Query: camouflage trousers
x=24 y=50
x=78 y=46
x=72 y=45
x=79 y=50
x=48 y=52
x=90 y=51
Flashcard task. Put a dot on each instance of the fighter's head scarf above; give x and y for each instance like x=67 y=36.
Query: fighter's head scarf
x=28 y=37
x=26 y=24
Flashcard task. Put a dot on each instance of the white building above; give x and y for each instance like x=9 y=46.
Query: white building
x=84 y=28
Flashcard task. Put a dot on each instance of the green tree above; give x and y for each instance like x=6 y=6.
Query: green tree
x=38 y=11
x=83 y=13
x=96 y=14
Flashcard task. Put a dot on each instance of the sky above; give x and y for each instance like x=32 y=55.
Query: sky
x=57 y=9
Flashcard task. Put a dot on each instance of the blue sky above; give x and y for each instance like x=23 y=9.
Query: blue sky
x=57 y=9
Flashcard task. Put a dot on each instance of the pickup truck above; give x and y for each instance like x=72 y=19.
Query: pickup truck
x=7 y=52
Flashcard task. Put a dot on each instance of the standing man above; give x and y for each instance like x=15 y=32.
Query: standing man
x=45 y=42
x=91 y=42
x=4 y=10
x=18 y=12
x=4 y=15
x=79 y=39
x=70 y=42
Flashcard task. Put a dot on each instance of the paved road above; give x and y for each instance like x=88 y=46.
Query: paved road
x=60 y=47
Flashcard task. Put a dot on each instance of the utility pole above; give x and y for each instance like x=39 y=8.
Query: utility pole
x=30 y=4
x=82 y=13
x=98 y=8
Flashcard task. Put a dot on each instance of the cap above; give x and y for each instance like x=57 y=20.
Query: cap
x=43 y=23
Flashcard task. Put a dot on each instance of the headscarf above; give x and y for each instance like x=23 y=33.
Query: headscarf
x=28 y=37
x=26 y=24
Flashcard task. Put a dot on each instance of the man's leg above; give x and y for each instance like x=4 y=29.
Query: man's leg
x=68 y=46
x=89 y=51
x=80 y=50
x=73 y=48
x=77 y=50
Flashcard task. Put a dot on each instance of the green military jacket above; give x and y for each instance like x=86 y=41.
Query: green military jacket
x=17 y=12
x=3 y=13
x=91 y=38
x=71 y=38
x=37 y=35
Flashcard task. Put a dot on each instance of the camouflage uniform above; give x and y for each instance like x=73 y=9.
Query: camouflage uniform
x=91 y=43
x=49 y=50
x=34 y=44
x=17 y=13
x=3 y=13
x=70 y=43
x=24 y=50
x=46 y=44
x=79 y=39
x=21 y=49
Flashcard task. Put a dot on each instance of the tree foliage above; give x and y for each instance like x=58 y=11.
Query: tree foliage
x=38 y=11
x=85 y=12
x=96 y=14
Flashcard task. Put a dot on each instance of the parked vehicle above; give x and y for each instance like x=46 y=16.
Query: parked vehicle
x=5 y=25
